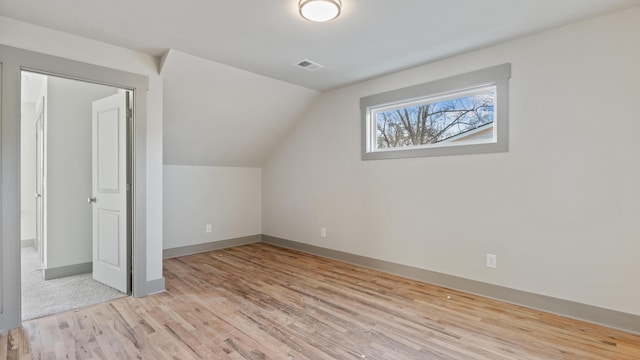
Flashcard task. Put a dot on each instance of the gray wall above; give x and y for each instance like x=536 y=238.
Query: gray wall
x=68 y=162
x=560 y=209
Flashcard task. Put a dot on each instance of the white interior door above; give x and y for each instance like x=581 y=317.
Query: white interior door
x=109 y=198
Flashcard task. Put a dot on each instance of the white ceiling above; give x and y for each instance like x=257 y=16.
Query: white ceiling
x=370 y=38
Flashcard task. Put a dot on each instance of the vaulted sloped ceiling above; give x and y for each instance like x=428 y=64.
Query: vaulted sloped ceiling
x=218 y=115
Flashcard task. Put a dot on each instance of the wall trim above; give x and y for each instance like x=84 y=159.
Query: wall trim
x=25 y=243
x=593 y=314
x=68 y=270
x=156 y=286
x=209 y=246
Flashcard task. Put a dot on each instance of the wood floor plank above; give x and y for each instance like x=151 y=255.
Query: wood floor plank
x=263 y=302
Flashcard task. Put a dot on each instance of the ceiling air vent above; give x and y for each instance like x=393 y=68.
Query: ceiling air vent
x=309 y=65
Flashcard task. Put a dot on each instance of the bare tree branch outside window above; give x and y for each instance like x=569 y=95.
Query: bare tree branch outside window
x=435 y=122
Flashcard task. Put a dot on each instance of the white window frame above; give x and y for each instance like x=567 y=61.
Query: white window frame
x=435 y=91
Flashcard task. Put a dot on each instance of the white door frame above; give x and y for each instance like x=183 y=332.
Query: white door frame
x=13 y=61
x=40 y=180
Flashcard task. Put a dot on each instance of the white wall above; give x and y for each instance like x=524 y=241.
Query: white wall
x=560 y=209
x=28 y=172
x=218 y=115
x=68 y=169
x=36 y=38
x=228 y=198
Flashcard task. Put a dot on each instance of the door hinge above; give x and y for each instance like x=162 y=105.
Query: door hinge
x=128 y=187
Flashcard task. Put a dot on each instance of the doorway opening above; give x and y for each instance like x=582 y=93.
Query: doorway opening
x=76 y=193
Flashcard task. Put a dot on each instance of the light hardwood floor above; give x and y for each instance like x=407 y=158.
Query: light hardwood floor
x=263 y=302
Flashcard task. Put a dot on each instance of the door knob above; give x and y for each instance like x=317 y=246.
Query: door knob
x=91 y=199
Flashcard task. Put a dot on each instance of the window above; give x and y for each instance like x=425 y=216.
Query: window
x=464 y=114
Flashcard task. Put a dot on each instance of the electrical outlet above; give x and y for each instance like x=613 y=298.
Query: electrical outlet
x=207 y=228
x=323 y=232
x=492 y=261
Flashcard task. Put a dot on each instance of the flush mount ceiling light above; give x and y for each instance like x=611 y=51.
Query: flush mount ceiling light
x=319 y=10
